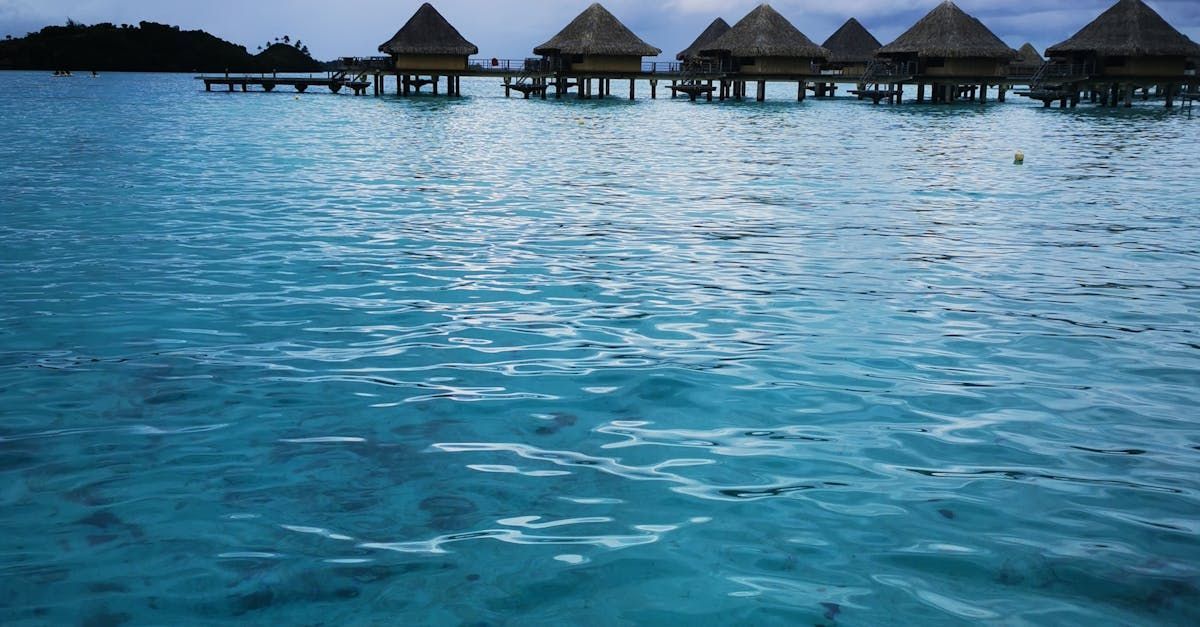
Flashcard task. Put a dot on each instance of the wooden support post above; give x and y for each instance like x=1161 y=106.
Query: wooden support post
x=654 y=89
x=1128 y=96
x=436 y=80
x=920 y=93
x=708 y=95
x=674 y=93
x=545 y=89
x=801 y=91
x=1000 y=96
x=508 y=87
x=983 y=93
x=632 y=89
x=1169 y=92
x=761 y=96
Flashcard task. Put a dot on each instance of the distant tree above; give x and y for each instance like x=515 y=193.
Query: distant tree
x=260 y=48
x=8 y=37
x=305 y=51
x=287 y=40
x=299 y=44
x=72 y=23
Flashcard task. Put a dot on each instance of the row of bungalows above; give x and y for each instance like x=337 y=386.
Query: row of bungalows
x=949 y=51
x=1128 y=47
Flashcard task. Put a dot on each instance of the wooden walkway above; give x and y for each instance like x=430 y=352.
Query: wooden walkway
x=334 y=83
x=881 y=81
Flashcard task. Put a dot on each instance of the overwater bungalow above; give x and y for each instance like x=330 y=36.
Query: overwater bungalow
x=1127 y=47
x=1027 y=65
x=712 y=33
x=765 y=45
x=951 y=51
x=851 y=49
x=428 y=46
x=596 y=42
x=1028 y=55
x=595 y=45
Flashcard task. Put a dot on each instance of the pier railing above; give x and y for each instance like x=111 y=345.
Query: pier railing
x=365 y=63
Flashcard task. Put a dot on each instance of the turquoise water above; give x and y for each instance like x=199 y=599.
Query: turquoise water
x=331 y=360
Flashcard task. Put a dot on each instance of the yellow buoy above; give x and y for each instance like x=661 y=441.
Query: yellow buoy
x=1019 y=159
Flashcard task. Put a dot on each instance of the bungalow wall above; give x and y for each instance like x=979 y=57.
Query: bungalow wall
x=605 y=64
x=430 y=62
x=1142 y=66
x=965 y=67
x=776 y=66
x=847 y=69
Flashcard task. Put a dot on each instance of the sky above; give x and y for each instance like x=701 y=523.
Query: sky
x=510 y=29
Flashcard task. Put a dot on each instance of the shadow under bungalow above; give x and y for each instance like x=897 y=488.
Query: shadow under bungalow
x=948 y=56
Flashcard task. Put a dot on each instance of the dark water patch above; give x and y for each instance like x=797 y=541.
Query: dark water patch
x=105 y=618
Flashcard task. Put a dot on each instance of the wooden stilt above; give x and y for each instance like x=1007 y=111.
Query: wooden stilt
x=1169 y=93
x=801 y=91
x=653 y=89
x=708 y=95
x=1128 y=96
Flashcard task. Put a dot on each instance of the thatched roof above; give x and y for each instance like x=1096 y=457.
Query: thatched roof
x=712 y=33
x=948 y=31
x=766 y=33
x=427 y=32
x=852 y=43
x=597 y=32
x=1030 y=55
x=1129 y=29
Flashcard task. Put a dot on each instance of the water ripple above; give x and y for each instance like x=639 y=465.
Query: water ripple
x=264 y=358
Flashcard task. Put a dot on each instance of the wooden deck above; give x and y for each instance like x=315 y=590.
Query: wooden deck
x=334 y=83
x=881 y=81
